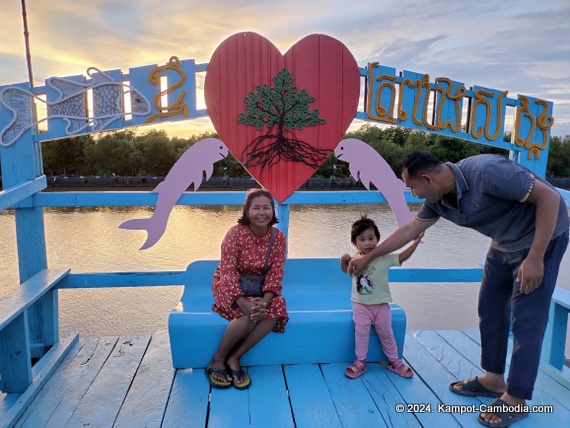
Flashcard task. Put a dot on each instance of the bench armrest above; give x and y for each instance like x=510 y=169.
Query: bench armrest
x=18 y=300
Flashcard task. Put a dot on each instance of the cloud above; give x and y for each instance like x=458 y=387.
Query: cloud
x=521 y=46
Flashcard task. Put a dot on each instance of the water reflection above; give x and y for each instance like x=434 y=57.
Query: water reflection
x=88 y=239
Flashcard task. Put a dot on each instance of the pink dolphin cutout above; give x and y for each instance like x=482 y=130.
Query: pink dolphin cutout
x=198 y=159
x=367 y=164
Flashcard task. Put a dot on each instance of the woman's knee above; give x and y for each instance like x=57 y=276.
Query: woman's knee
x=266 y=323
x=241 y=325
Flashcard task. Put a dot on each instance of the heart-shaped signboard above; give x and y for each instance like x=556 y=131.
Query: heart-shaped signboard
x=281 y=116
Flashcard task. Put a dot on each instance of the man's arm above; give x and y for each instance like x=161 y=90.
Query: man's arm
x=407 y=253
x=394 y=242
x=547 y=201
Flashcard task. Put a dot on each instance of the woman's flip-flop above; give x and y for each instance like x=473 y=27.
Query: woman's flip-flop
x=239 y=375
x=214 y=381
x=400 y=369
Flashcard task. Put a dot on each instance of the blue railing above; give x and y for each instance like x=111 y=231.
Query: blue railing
x=17 y=373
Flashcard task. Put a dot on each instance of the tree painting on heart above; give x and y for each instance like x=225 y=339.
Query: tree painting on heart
x=281 y=115
x=281 y=109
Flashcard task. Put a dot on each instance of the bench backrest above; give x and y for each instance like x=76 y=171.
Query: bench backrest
x=301 y=277
x=296 y=271
x=317 y=280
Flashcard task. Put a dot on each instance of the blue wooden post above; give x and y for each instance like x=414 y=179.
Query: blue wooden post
x=22 y=163
x=138 y=78
x=282 y=213
x=15 y=358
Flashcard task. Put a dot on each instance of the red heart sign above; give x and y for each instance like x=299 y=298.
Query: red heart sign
x=281 y=115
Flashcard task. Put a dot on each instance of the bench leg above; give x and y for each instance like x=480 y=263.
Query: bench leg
x=44 y=324
x=15 y=360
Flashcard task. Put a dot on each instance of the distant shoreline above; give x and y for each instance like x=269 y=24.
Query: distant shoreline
x=214 y=184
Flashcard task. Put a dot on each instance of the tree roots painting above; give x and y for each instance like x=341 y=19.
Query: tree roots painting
x=282 y=109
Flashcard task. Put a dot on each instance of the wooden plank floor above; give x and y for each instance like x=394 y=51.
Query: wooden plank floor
x=129 y=382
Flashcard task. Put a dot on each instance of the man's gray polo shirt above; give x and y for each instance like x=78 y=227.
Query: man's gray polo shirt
x=491 y=197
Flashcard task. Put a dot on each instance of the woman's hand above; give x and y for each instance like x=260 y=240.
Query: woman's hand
x=247 y=306
x=259 y=309
x=255 y=309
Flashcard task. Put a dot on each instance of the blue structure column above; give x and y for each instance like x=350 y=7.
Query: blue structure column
x=22 y=163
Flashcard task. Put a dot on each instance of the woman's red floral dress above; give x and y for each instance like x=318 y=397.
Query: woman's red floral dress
x=244 y=252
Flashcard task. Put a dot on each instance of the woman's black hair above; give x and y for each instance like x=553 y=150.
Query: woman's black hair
x=419 y=162
x=251 y=195
x=359 y=226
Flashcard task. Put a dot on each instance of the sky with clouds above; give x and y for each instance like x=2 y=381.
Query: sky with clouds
x=522 y=46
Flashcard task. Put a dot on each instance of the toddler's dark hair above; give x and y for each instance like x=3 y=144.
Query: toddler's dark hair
x=361 y=225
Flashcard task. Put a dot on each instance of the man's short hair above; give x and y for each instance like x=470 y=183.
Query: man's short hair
x=419 y=162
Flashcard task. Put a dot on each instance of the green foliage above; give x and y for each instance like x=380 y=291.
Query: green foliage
x=154 y=153
x=283 y=105
x=107 y=155
x=125 y=153
x=395 y=143
x=417 y=140
x=332 y=167
x=559 y=157
x=66 y=156
x=450 y=149
x=367 y=133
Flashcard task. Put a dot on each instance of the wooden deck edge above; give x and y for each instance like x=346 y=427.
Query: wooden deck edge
x=560 y=376
x=42 y=371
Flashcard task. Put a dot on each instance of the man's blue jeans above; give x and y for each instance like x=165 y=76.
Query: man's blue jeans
x=499 y=298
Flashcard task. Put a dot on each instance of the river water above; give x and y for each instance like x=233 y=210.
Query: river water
x=89 y=240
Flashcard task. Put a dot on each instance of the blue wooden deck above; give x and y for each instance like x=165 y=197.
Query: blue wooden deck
x=130 y=382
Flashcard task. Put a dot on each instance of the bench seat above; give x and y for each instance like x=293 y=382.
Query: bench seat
x=320 y=328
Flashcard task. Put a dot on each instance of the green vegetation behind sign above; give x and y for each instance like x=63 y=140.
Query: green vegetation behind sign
x=125 y=153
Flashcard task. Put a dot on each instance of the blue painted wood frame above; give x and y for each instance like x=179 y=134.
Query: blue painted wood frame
x=16 y=354
x=554 y=344
x=138 y=78
x=21 y=164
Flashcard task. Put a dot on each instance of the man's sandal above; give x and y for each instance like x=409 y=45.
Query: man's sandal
x=356 y=369
x=473 y=388
x=502 y=409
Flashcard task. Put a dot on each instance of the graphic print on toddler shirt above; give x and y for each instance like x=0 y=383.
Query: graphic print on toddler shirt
x=364 y=284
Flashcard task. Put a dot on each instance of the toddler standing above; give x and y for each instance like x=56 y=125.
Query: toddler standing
x=371 y=298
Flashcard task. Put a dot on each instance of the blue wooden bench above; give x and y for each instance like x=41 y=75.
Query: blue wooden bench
x=320 y=328
x=20 y=381
x=15 y=342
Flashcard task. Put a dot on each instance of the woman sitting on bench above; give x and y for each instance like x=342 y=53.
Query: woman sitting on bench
x=253 y=255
